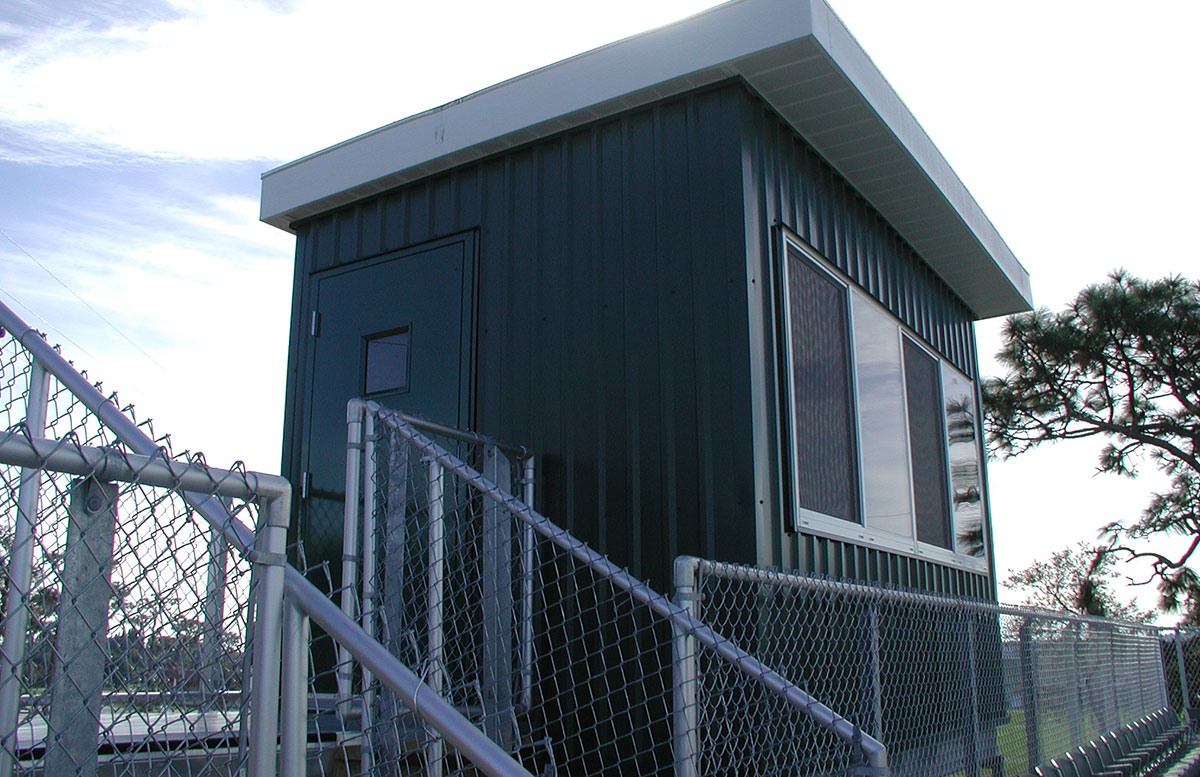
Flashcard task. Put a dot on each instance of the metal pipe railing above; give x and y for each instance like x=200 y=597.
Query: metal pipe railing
x=441 y=430
x=20 y=450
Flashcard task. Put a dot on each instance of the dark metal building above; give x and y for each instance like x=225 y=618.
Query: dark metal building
x=715 y=276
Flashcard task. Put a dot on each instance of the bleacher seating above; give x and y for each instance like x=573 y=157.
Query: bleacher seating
x=1143 y=748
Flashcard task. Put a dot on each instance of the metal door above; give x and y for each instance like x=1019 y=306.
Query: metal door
x=397 y=329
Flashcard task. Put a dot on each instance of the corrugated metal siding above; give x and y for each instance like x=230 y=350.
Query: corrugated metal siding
x=854 y=562
x=611 y=318
x=613 y=313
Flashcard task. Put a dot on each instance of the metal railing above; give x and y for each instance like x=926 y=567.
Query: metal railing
x=143 y=628
x=950 y=686
x=558 y=654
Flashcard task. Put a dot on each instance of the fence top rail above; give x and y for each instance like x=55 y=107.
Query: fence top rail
x=794 y=580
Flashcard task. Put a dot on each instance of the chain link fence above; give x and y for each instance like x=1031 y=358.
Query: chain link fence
x=126 y=621
x=558 y=655
x=554 y=662
x=358 y=726
x=145 y=628
x=1181 y=657
x=952 y=687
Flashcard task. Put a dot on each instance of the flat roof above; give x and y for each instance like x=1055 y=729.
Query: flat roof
x=796 y=53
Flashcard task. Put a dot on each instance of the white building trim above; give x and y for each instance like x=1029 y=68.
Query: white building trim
x=796 y=53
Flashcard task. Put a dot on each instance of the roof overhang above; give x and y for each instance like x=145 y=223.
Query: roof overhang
x=796 y=53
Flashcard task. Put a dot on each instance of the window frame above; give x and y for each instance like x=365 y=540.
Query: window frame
x=947 y=518
x=802 y=520
x=365 y=362
x=796 y=515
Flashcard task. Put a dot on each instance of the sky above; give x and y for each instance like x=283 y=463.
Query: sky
x=133 y=134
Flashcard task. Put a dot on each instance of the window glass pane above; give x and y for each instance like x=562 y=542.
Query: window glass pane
x=882 y=430
x=927 y=441
x=823 y=429
x=387 y=362
x=962 y=435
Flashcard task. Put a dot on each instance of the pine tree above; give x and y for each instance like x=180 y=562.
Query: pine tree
x=1122 y=362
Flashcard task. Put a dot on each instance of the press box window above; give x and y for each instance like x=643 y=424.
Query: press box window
x=879 y=434
x=386 y=362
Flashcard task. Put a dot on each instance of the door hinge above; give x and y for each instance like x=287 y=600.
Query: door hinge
x=305 y=481
x=315 y=327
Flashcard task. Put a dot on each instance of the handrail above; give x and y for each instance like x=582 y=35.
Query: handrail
x=434 y=710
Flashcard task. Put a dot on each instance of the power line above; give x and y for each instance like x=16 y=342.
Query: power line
x=47 y=324
x=86 y=304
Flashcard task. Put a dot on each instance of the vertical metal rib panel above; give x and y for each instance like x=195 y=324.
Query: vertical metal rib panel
x=836 y=558
x=612 y=319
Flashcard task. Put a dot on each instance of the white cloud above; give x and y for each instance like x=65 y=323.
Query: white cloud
x=204 y=290
x=238 y=80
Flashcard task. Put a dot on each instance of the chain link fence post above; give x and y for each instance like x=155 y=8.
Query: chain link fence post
x=270 y=545
x=20 y=576
x=497 y=606
x=1076 y=698
x=434 y=670
x=369 y=601
x=213 y=607
x=80 y=658
x=294 y=691
x=351 y=524
x=1033 y=747
x=685 y=674
x=528 y=562
x=1114 y=709
x=1185 y=696
x=974 y=733
x=876 y=672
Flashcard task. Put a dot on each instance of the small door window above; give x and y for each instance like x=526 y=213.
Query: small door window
x=386 y=361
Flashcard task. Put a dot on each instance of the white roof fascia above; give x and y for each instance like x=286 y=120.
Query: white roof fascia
x=778 y=47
